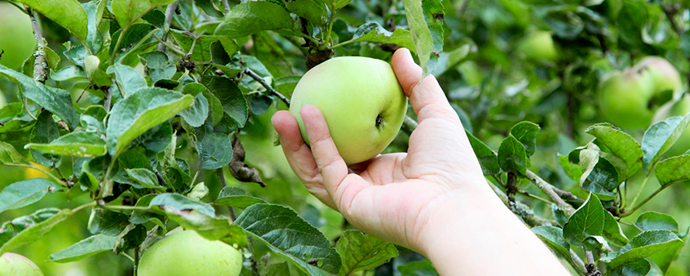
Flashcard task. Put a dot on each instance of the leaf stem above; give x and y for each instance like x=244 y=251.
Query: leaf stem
x=117 y=44
x=170 y=46
x=127 y=208
x=343 y=43
x=330 y=28
x=635 y=207
x=90 y=204
x=644 y=183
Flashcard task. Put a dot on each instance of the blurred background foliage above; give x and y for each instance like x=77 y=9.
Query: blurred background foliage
x=503 y=62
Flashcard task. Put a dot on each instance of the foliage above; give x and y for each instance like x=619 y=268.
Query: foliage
x=148 y=107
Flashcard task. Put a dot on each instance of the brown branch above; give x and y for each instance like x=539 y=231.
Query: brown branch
x=268 y=87
x=169 y=11
x=40 y=63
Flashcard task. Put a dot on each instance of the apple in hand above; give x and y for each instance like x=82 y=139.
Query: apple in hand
x=16 y=36
x=624 y=99
x=361 y=100
x=17 y=265
x=664 y=76
x=672 y=109
x=187 y=253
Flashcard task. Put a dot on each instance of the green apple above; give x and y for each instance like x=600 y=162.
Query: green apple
x=664 y=76
x=538 y=45
x=624 y=99
x=16 y=36
x=362 y=102
x=17 y=265
x=187 y=253
x=671 y=109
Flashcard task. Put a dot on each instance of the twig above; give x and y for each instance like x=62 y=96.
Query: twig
x=40 y=64
x=409 y=125
x=670 y=11
x=634 y=208
x=522 y=210
x=549 y=190
x=169 y=11
x=223 y=184
x=567 y=196
x=263 y=83
x=226 y=7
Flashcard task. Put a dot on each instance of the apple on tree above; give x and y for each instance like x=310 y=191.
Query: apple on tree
x=671 y=109
x=538 y=45
x=17 y=265
x=361 y=100
x=16 y=36
x=664 y=76
x=187 y=253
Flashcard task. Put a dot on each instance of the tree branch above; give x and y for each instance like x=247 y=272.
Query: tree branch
x=169 y=11
x=549 y=190
x=263 y=83
x=40 y=63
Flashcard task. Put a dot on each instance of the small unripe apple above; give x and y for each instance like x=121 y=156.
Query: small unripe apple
x=664 y=76
x=538 y=45
x=187 y=253
x=624 y=99
x=91 y=65
x=17 y=265
x=679 y=108
x=362 y=102
x=16 y=36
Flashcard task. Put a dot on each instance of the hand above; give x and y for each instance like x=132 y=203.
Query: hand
x=392 y=196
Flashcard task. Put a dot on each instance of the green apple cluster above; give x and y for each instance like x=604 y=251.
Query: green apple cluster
x=187 y=253
x=16 y=36
x=362 y=102
x=629 y=99
x=17 y=265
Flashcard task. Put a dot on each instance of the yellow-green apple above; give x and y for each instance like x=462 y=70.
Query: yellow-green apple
x=17 y=265
x=538 y=45
x=187 y=253
x=664 y=76
x=362 y=102
x=624 y=99
x=671 y=109
x=16 y=36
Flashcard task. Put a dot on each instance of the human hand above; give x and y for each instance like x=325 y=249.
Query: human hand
x=392 y=196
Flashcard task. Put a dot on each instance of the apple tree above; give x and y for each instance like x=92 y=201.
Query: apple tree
x=133 y=118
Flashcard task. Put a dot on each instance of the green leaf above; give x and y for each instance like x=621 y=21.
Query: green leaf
x=572 y=170
x=68 y=73
x=526 y=133
x=236 y=197
x=45 y=131
x=656 y=221
x=79 y=144
x=23 y=193
x=158 y=65
x=644 y=245
x=230 y=96
x=67 y=13
x=10 y=156
x=419 y=30
x=215 y=150
x=196 y=115
x=128 y=80
x=55 y=100
x=631 y=20
x=207 y=226
x=553 y=237
x=665 y=257
x=313 y=10
x=673 y=170
x=660 y=137
x=141 y=217
x=638 y=268
x=106 y=222
x=620 y=144
x=362 y=252
x=419 y=268
x=512 y=156
x=337 y=4
x=252 y=17
x=601 y=179
x=145 y=177
x=202 y=49
x=587 y=221
x=612 y=230
x=287 y=234
x=28 y=229
x=180 y=202
x=129 y=11
x=140 y=112
x=373 y=32
x=208 y=7
x=94 y=13
x=87 y=247
x=487 y=157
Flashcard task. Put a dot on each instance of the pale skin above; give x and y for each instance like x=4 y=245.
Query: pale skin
x=433 y=199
